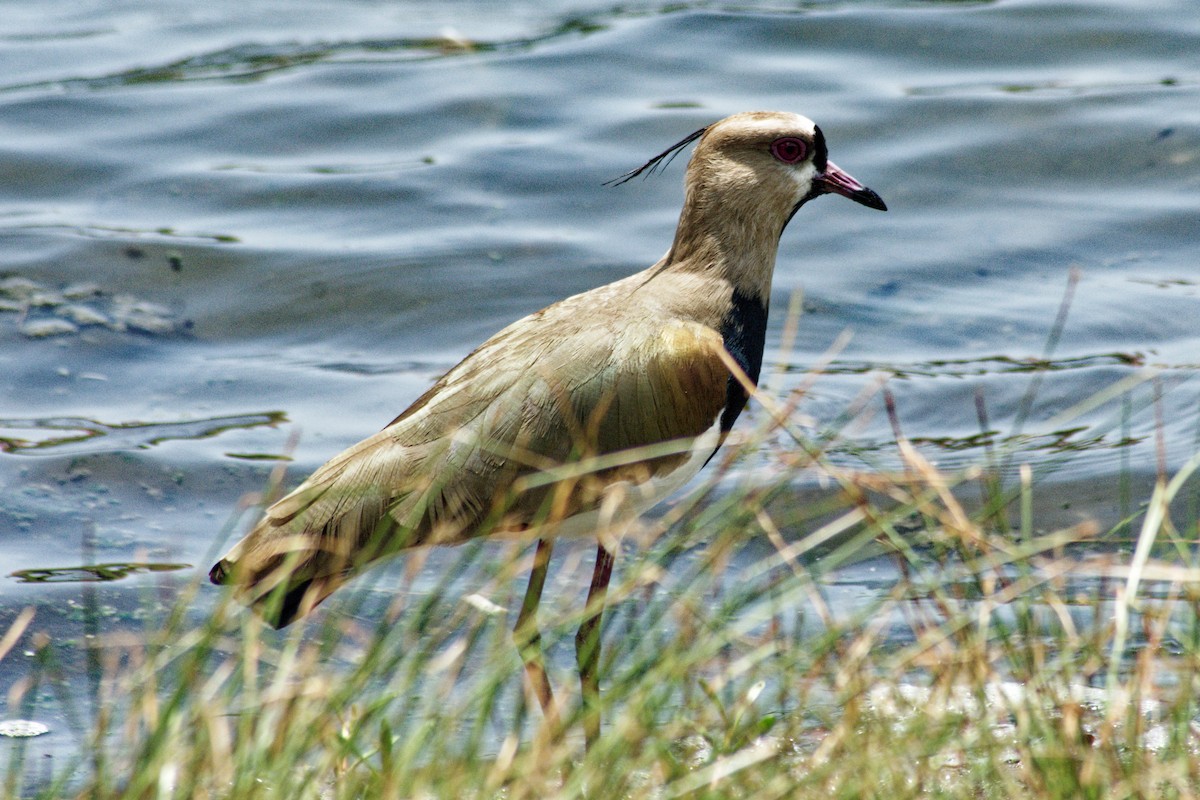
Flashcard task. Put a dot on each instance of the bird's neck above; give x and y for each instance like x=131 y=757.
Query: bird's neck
x=729 y=241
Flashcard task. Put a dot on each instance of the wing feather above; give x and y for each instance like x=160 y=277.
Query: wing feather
x=545 y=390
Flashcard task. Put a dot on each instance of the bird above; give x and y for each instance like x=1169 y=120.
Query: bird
x=575 y=419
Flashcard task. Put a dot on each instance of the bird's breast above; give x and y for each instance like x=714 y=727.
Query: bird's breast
x=744 y=334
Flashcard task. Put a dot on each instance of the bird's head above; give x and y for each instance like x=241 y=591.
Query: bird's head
x=767 y=164
x=750 y=173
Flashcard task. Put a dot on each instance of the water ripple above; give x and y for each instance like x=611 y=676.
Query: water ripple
x=253 y=61
x=77 y=435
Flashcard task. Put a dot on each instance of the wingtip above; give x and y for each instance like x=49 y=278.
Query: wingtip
x=277 y=609
x=288 y=604
x=219 y=574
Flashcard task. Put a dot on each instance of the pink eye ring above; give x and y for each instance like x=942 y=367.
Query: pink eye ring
x=789 y=149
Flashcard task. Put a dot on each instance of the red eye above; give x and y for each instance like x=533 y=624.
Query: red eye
x=789 y=149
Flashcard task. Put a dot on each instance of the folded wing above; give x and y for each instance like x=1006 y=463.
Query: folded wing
x=470 y=456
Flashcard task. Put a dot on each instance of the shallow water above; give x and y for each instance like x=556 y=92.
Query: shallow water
x=233 y=232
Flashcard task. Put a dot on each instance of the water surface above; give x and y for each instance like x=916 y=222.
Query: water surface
x=243 y=231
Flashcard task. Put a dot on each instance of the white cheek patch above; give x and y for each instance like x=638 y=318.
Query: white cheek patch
x=804 y=176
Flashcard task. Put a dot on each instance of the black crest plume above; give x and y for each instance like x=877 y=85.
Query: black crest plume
x=660 y=161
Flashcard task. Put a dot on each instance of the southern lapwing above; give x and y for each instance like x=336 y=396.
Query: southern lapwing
x=524 y=436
